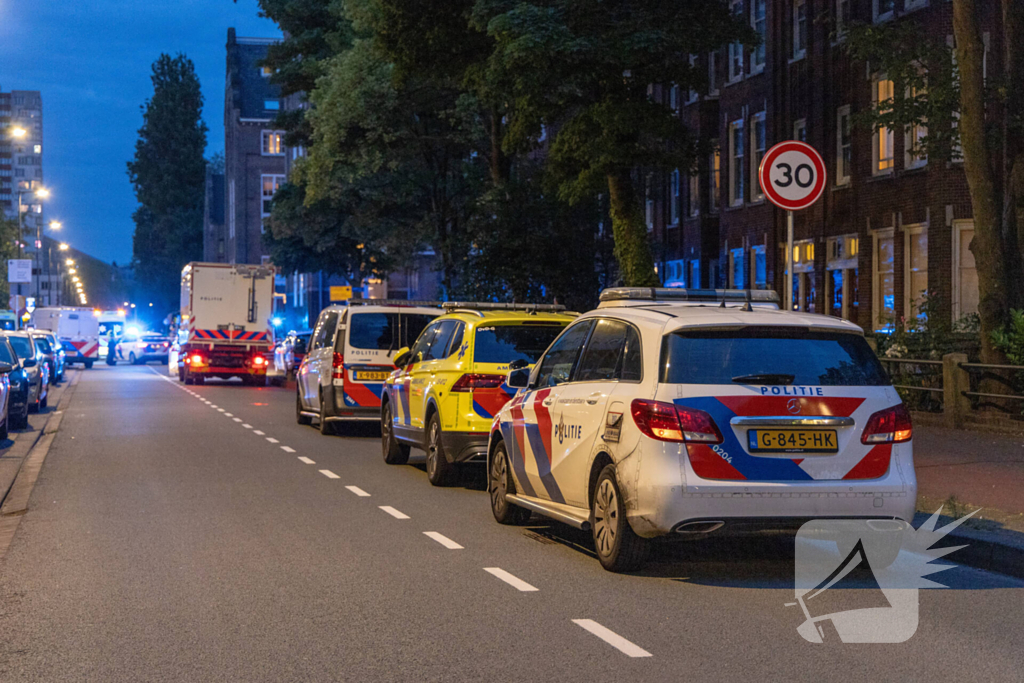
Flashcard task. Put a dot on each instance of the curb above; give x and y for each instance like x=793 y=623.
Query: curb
x=988 y=554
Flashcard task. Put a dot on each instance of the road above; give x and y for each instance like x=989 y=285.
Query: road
x=199 y=534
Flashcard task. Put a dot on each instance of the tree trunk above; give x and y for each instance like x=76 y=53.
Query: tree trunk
x=1013 y=60
x=988 y=244
x=499 y=163
x=636 y=267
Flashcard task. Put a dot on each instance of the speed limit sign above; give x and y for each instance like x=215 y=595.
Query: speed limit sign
x=792 y=175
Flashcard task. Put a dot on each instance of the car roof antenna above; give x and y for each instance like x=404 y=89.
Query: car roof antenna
x=747 y=306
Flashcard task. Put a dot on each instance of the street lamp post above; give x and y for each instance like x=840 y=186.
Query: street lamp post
x=40 y=193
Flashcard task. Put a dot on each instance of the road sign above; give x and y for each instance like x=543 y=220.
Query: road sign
x=341 y=293
x=19 y=270
x=16 y=302
x=792 y=175
x=30 y=303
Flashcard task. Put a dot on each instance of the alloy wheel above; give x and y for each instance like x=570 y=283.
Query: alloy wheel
x=499 y=481
x=432 y=449
x=606 y=517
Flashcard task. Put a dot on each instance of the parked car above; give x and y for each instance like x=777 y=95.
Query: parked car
x=18 y=380
x=60 y=356
x=451 y=383
x=674 y=412
x=36 y=368
x=47 y=354
x=143 y=348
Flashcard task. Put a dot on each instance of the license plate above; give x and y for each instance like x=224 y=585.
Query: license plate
x=371 y=375
x=792 y=441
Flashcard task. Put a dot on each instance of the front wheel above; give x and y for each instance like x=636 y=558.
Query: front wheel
x=440 y=472
x=395 y=453
x=132 y=359
x=499 y=485
x=618 y=547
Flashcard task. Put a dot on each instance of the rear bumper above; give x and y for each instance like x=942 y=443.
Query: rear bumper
x=465 y=446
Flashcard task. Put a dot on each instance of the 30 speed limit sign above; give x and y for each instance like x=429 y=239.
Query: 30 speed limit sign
x=792 y=175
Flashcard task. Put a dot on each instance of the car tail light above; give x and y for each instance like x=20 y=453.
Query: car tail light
x=668 y=422
x=259 y=361
x=471 y=381
x=891 y=425
x=195 y=359
x=338 y=366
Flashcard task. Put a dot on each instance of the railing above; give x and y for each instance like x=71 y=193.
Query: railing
x=986 y=375
x=931 y=382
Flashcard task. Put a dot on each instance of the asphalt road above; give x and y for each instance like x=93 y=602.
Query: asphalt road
x=181 y=537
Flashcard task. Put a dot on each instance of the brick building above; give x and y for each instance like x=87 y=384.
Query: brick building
x=890 y=225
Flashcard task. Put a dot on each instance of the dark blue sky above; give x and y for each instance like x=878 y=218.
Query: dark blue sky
x=91 y=61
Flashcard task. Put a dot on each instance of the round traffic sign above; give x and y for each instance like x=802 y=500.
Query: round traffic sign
x=792 y=175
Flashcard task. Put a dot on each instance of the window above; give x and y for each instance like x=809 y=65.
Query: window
x=507 y=343
x=272 y=143
x=676 y=198
x=914 y=4
x=270 y=185
x=884 y=282
x=844 y=151
x=757 y=147
x=736 y=269
x=712 y=73
x=675 y=274
x=438 y=348
x=759 y=23
x=800 y=130
x=882 y=148
x=843 y=17
x=673 y=97
x=882 y=9
x=736 y=163
x=759 y=267
x=612 y=353
x=736 y=49
x=694 y=194
x=804 y=280
x=37 y=149
x=799 y=28
x=266 y=71
x=231 y=209
x=272 y=105
x=914 y=155
x=695 y=273
x=915 y=275
x=649 y=204
x=841 y=280
x=557 y=365
x=715 y=186
x=965 y=272
x=691 y=96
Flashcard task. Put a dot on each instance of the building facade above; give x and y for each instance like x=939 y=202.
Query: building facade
x=892 y=226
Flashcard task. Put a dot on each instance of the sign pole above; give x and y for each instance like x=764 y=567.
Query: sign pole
x=789 y=261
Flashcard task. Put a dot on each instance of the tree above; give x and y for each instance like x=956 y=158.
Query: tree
x=946 y=90
x=583 y=70
x=8 y=250
x=168 y=175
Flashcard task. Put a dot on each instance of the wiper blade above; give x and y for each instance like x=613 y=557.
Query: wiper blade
x=767 y=378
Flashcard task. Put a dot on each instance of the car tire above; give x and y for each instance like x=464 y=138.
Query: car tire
x=46 y=400
x=395 y=453
x=440 y=472
x=199 y=379
x=618 y=547
x=21 y=421
x=499 y=484
x=88 y=365
x=7 y=425
x=299 y=416
x=326 y=428
x=132 y=359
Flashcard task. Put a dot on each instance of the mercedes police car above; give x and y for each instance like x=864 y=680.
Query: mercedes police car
x=675 y=412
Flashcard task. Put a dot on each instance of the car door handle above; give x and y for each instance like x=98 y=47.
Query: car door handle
x=548 y=402
x=594 y=398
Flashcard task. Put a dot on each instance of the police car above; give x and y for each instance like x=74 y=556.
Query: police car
x=678 y=412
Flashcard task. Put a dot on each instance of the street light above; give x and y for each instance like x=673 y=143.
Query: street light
x=69 y=262
x=18 y=132
x=40 y=193
x=55 y=225
x=64 y=247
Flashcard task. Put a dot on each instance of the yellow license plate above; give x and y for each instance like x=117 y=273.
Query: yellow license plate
x=371 y=375
x=792 y=440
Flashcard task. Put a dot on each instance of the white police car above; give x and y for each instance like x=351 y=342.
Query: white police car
x=671 y=411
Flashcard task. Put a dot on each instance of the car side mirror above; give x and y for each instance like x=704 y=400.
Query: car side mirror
x=518 y=378
x=29 y=362
x=6 y=368
x=518 y=364
x=402 y=357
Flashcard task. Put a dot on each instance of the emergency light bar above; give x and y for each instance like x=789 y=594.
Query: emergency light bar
x=489 y=306
x=390 y=302
x=757 y=296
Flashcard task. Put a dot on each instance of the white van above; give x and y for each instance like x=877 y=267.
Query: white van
x=77 y=328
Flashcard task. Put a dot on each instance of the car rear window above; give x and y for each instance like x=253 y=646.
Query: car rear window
x=5 y=354
x=44 y=344
x=154 y=339
x=381 y=330
x=22 y=347
x=507 y=343
x=769 y=355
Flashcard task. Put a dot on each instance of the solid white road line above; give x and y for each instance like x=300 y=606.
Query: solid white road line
x=358 y=491
x=329 y=474
x=286 y=449
x=513 y=581
x=397 y=514
x=258 y=432
x=307 y=460
x=612 y=638
x=272 y=440
x=247 y=425
x=237 y=419
x=443 y=540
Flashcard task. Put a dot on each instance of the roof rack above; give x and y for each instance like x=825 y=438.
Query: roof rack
x=761 y=296
x=477 y=306
x=389 y=302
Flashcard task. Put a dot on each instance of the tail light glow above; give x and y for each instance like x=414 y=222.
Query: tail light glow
x=195 y=359
x=891 y=425
x=471 y=381
x=259 y=361
x=338 y=366
x=668 y=422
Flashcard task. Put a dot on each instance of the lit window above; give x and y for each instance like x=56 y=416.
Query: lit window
x=913 y=139
x=736 y=49
x=758 y=20
x=916 y=276
x=757 y=147
x=844 y=152
x=272 y=143
x=799 y=28
x=884 y=280
x=882 y=149
x=266 y=71
x=736 y=163
x=759 y=267
x=736 y=269
x=715 y=186
x=37 y=149
x=272 y=105
x=270 y=185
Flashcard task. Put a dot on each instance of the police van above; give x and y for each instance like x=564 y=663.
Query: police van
x=679 y=412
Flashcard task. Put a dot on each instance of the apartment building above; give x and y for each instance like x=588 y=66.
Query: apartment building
x=891 y=224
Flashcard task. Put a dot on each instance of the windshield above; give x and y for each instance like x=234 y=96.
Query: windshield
x=111 y=327
x=769 y=355
x=23 y=347
x=5 y=354
x=377 y=330
x=44 y=344
x=154 y=338
x=507 y=343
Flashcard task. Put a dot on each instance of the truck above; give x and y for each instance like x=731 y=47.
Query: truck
x=226 y=310
x=77 y=328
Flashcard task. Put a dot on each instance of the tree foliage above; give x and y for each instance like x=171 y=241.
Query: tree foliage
x=168 y=175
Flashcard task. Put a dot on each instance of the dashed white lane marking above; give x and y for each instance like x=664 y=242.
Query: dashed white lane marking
x=286 y=449
x=307 y=460
x=511 y=580
x=443 y=540
x=358 y=491
x=258 y=432
x=612 y=638
x=219 y=410
x=329 y=474
x=237 y=419
x=397 y=514
x=272 y=440
x=229 y=414
x=247 y=425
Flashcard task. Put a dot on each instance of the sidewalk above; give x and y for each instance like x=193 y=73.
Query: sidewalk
x=20 y=442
